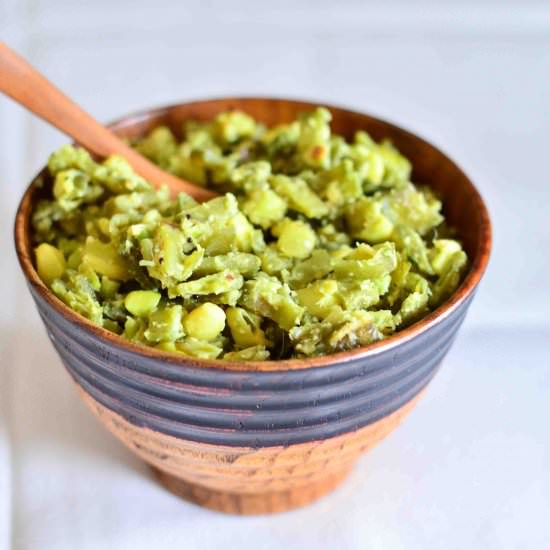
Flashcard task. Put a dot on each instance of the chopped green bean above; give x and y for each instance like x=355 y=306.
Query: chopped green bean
x=245 y=327
x=142 y=303
x=315 y=245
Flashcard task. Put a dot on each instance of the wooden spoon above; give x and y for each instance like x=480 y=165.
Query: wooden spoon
x=23 y=83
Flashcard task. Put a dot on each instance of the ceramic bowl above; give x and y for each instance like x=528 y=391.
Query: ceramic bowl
x=261 y=437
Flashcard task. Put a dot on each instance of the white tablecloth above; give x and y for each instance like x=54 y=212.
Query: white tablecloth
x=470 y=468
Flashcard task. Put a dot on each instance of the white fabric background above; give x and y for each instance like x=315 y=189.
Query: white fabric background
x=470 y=468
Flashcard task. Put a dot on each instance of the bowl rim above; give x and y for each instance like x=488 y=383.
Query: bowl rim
x=459 y=296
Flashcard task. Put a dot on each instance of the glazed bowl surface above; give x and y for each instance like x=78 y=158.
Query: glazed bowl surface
x=260 y=437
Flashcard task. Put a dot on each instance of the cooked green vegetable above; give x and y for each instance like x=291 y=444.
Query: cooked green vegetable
x=142 y=303
x=315 y=244
x=205 y=322
x=50 y=262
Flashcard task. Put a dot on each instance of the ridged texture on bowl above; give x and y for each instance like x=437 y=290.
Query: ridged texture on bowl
x=255 y=409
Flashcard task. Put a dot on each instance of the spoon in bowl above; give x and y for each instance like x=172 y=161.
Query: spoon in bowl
x=23 y=83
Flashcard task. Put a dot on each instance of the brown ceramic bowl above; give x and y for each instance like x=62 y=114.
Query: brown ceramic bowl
x=262 y=437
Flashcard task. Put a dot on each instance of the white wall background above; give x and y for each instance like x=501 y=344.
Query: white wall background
x=471 y=76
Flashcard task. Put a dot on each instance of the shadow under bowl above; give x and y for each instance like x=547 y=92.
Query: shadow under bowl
x=262 y=437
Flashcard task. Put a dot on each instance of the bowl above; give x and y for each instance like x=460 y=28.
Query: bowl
x=262 y=437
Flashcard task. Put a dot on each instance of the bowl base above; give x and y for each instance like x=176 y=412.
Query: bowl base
x=251 y=503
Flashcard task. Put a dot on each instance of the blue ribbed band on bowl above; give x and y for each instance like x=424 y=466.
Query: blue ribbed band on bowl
x=249 y=409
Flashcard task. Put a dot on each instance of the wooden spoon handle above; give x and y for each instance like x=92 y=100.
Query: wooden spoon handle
x=24 y=84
